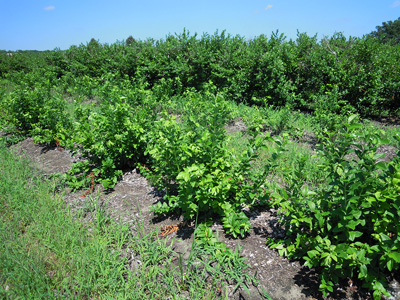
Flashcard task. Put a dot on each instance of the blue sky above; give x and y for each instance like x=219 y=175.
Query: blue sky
x=50 y=24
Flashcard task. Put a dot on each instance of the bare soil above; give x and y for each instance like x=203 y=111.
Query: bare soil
x=131 y=198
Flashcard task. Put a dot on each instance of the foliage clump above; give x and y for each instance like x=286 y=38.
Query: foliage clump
x=389 y=32
x=349 y=228
x=130 y=40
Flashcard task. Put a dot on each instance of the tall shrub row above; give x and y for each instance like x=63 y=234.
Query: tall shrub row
x=357 y=74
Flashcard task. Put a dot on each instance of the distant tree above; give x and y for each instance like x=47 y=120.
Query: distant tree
x=93 y=43
x=129 y=40
x=389 y=32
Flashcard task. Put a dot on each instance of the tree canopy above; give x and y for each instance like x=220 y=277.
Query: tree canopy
x=389 y=32
x=129 y=40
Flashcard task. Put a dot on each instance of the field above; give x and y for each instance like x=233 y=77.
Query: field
x=202 y=168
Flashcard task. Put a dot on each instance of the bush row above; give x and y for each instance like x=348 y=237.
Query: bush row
x=337 y=73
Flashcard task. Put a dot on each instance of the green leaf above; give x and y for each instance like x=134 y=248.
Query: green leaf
x=354 y=126
x=357 y=214
x=351 y=118
x=328 y=226
x=354 y=234
x=381 y=165
x=384 y=237
x=361 y=254
x=385 y=141
x=390 y=265
x=395 y=256
x=320 y=219
x=184 y=175
x=363 y=271
x=312 y=253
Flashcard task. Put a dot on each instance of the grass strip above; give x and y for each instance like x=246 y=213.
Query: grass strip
x=46 y=253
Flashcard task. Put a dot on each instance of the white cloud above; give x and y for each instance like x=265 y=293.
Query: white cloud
x=395 y=4
x=269 y=6
x=51 y=7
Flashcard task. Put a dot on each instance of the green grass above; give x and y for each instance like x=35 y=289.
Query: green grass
x=48 y=253
x=300 y=131
x=387 y=130
x=292 y=156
